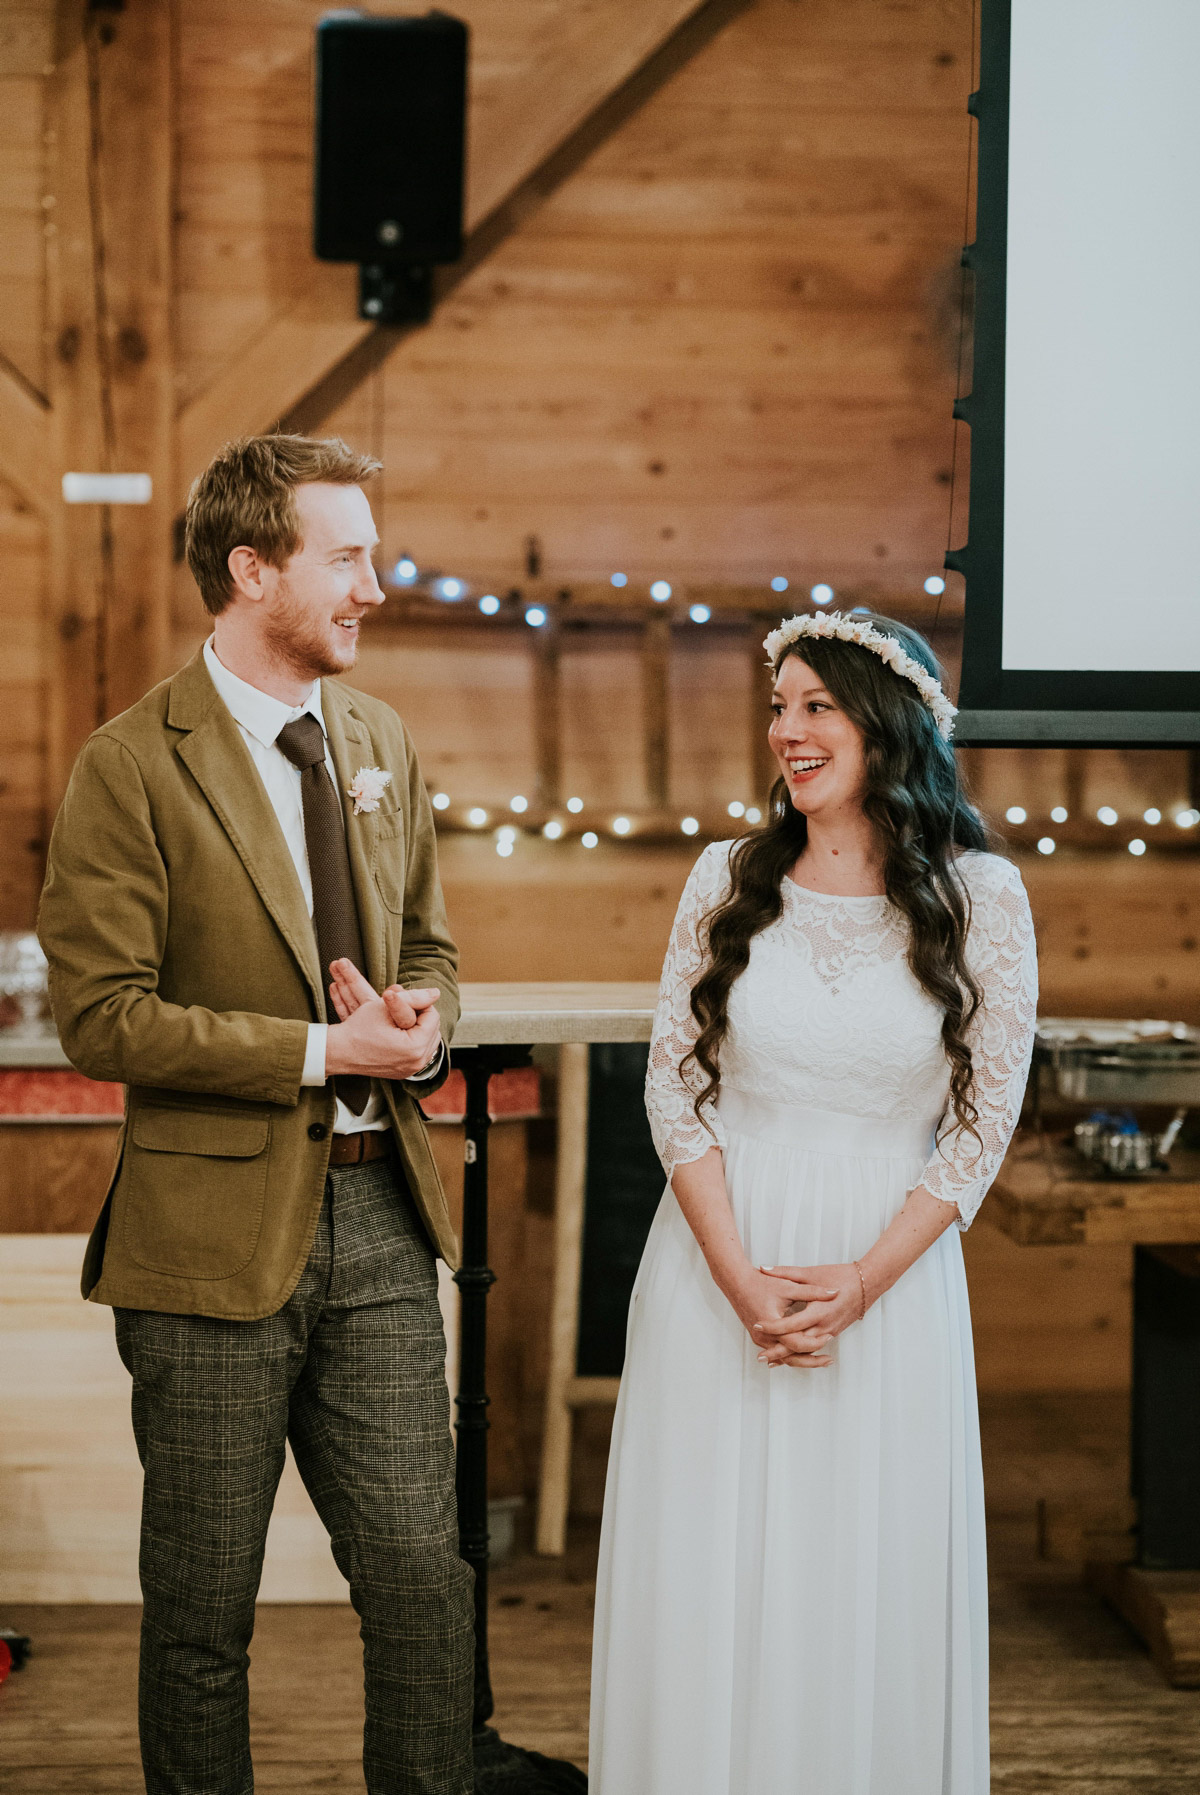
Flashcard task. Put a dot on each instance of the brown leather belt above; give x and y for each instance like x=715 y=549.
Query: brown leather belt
x=360 y=1149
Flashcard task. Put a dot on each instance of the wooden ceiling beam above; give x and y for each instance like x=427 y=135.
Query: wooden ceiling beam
x=599 y=70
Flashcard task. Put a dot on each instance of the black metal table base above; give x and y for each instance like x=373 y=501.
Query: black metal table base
x=500 y=1768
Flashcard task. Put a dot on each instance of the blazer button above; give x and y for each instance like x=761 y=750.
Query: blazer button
x=317 y=1131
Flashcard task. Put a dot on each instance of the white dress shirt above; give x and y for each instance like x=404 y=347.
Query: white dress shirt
x=260 y=718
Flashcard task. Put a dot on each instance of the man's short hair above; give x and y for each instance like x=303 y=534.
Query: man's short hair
x=246 y=498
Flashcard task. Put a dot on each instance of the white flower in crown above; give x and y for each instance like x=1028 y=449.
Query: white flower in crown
x=855 y=629
x=367 y=788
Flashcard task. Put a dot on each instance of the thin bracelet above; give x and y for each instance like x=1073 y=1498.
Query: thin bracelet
x=863 y=1283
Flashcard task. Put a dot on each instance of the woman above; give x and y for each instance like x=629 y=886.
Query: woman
x=792 y=1594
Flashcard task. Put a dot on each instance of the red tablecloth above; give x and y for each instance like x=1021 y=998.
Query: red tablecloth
x=54 y=1096
x=59 y=1096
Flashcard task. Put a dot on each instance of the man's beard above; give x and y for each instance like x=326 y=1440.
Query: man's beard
x=293 y=636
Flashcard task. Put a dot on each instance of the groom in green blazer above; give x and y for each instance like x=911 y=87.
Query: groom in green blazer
x=234 y=857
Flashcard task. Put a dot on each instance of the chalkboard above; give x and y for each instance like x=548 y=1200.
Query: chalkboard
x=624 y=1184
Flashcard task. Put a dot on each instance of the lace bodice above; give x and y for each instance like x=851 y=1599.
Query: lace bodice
x=828 y=1016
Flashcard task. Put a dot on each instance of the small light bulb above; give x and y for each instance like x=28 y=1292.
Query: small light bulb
x=1047 y=844
x=821 y=593
x=754 y=814
x=535 y=616
x=660 y=592
x=406 y=571
x=690 y=826
x=519 y=804
x=589 y=838
x=1137 y=847
x=504 y=848
x=553 y=829
x=935 y=585
x=477 y=817
x=1014 y=814
x=620 y=579
x=699 y=613
x=1106 y=814
x=441 y=800
x=621 y=825
x=779 y=584
x=1152 y=816
x=489 y=604
x=1059 y=814
x=736 y=809
x=574 y=805
x=506 y=833
x=450 y=589
x=1187 y=819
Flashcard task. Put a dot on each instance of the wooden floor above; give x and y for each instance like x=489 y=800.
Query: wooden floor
x=1077 y=1707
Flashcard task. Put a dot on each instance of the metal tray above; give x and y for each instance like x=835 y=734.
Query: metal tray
x=1092 y=1060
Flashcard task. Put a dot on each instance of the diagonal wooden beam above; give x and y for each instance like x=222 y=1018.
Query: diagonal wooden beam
x=301 y=366
x=24 y=436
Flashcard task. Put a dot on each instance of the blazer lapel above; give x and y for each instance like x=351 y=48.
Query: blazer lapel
x=350 y=748
x=214 y=753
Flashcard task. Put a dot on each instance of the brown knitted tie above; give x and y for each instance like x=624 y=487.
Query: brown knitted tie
x=335 y=914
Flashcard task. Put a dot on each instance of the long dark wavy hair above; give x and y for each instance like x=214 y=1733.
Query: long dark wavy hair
x=920 y=808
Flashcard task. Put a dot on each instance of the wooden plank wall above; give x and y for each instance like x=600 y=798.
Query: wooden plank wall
x=724 y=344
x=25 y=56
x=1112 y=931
x=724 y=348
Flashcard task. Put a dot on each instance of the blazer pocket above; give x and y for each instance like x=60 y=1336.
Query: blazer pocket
x=388 y=868
x=191 y=1188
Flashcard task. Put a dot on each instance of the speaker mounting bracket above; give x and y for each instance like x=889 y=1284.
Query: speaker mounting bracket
x=392 y=292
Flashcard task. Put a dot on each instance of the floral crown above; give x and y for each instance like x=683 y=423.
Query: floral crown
x=838 y=626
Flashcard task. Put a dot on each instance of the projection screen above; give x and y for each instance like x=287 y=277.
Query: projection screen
x=1083 y=557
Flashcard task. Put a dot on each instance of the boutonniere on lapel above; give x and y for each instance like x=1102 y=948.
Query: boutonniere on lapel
x=367 y=788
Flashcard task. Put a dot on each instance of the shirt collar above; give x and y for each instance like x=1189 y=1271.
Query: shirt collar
x=258 y=713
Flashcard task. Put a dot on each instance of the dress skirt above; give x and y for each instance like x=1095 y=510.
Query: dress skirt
x=792 y=1590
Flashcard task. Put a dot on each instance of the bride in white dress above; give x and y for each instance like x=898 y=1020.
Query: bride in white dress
x=792 y=1591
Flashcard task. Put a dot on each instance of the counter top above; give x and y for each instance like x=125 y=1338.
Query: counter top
x=493 y=1015
x=29 y=1050
x=1045 y=1196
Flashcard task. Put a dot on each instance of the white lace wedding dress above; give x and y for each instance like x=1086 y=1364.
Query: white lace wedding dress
x=792 y=1594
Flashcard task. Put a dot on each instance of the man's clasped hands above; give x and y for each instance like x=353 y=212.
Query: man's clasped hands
x=395 y=1035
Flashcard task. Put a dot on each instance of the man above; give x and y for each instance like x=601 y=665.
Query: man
x=233 y=853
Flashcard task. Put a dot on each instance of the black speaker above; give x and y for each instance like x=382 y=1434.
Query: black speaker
x=391 y=122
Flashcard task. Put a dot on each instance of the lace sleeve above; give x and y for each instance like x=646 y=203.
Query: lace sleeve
x=1002 y=955
x=679 y=1136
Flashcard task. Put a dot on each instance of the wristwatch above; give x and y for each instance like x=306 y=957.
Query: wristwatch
x=415 y=1077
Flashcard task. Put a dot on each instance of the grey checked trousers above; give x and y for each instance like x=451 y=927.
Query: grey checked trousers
x=351 y=1371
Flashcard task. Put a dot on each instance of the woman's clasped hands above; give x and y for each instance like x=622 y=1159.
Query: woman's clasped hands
x=806 y=1308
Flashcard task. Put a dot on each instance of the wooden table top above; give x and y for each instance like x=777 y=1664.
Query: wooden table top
x=1045 y=1196
x=529 y=1014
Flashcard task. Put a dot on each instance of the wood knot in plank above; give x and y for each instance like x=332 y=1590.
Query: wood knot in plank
x=132 y=346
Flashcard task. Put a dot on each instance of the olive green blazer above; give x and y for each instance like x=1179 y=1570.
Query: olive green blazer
x=183 y=964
